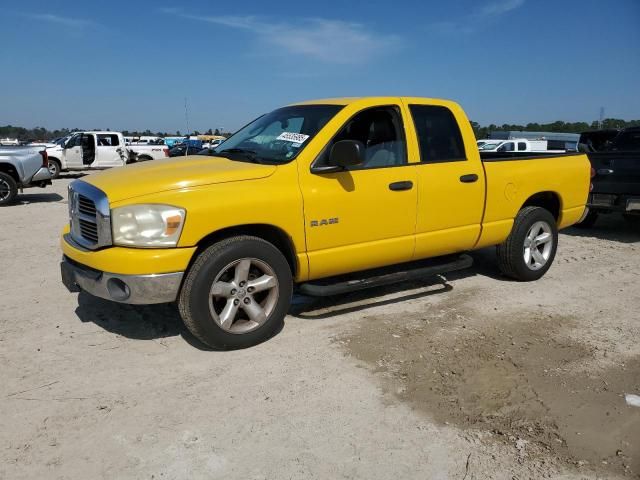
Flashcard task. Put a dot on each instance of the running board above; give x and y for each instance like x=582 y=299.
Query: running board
x=385 y=276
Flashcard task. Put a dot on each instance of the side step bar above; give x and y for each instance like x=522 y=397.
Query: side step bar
x=385 y=276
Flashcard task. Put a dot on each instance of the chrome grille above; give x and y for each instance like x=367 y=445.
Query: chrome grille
x=86 y=206
x=90 y=216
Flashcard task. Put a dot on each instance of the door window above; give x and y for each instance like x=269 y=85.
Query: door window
x=381 y=131
x=74 y=141
x=438 y=134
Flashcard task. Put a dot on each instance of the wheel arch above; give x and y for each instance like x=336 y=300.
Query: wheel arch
x=11 y=170
x=55 y=159
x=272 y=234
x=548 y=200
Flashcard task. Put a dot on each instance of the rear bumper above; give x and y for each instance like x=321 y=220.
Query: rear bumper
x=600 y=202
x=133 y=289
x=42 y=175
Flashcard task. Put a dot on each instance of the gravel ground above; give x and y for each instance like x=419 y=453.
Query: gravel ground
x=472 y=378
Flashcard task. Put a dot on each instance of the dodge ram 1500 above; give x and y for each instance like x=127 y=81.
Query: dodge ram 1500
x=326 y=196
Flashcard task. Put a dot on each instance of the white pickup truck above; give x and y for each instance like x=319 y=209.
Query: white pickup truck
x=88 y=151
x=515 y=145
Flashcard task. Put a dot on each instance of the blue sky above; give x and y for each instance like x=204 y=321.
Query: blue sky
x=129 y=65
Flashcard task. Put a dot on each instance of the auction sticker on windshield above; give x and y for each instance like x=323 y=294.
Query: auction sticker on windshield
x=292 y=137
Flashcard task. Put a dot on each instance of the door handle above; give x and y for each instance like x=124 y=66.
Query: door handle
x=469 y=178
x=605 y=171
x=398 y=186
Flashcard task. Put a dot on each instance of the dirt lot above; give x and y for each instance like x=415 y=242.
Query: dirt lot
x=473 y=378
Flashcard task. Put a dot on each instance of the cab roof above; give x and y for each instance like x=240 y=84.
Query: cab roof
x=350 y=100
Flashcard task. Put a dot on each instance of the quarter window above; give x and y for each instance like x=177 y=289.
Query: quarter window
x=522 y=146
x=439 y=136
x=107 y=140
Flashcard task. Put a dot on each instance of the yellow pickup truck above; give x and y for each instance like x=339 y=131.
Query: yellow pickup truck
x=327 y=196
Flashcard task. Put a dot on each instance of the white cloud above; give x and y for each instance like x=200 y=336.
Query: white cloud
x=489 y=12
x=324 y=40
x=60 y=20
x=500 y=7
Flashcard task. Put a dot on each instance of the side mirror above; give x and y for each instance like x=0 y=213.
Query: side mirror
x=343 y=154
x=346 y=153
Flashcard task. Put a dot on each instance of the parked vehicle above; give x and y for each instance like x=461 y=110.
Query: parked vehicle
x=145 y=152
x=320 y=195
x=516 y=145
x=211 y=152
x=183 y=149
x=144 y=140
x=22 y=167
x=616 y=169
x=213 y=143
x=173 y=141
x=88 y=151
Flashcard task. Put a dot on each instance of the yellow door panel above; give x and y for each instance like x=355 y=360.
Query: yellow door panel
x=353 y=220
x=451 y=182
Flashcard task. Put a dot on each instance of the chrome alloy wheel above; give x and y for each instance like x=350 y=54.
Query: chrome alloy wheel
x=538 y=245
x=243 y=295
x=5 y=189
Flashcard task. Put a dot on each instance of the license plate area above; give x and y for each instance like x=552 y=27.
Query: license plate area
x=602 y=200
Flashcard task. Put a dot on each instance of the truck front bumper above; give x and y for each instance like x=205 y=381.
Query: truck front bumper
x=134 y=289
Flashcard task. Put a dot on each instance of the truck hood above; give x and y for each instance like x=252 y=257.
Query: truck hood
x=173 y=174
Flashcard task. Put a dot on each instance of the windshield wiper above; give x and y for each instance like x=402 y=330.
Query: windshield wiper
x=249 y=154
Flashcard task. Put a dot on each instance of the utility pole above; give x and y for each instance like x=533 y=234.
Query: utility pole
x=186 y=117
x=601 y=121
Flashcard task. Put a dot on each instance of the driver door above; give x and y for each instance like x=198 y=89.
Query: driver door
x=364 y=216
x=73 y=152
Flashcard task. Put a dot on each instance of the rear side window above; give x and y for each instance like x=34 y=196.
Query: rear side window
x=438 y=134
x=522 y=146
x=107 y=140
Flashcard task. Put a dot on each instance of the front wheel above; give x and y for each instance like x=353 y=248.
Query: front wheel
x=531 y=246
x=237 y=293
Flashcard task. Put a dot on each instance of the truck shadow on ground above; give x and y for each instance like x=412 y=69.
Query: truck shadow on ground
x=27 y=198
x=318 y=308
x=154 y=322
x=609 y=227
x=136 y=322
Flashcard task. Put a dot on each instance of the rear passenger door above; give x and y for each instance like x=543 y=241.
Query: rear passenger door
x=109 y=152
x=451 y=187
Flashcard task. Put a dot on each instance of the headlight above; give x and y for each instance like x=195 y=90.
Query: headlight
x=147 y=225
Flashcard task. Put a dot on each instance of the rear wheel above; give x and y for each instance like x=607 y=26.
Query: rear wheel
x=529 y=250
x=54 y=168
x=8 y=189
x=237 y=293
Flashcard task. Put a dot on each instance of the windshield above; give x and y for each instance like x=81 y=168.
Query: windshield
x=278 y=137
x=489 y=145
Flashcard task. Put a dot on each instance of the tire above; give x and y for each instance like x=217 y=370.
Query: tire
x=520 y=261
x=8 y=189
x=588 y=221
x=54 y=168
x=230 y=316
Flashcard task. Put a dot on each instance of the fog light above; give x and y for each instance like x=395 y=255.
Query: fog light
x=118 y=290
